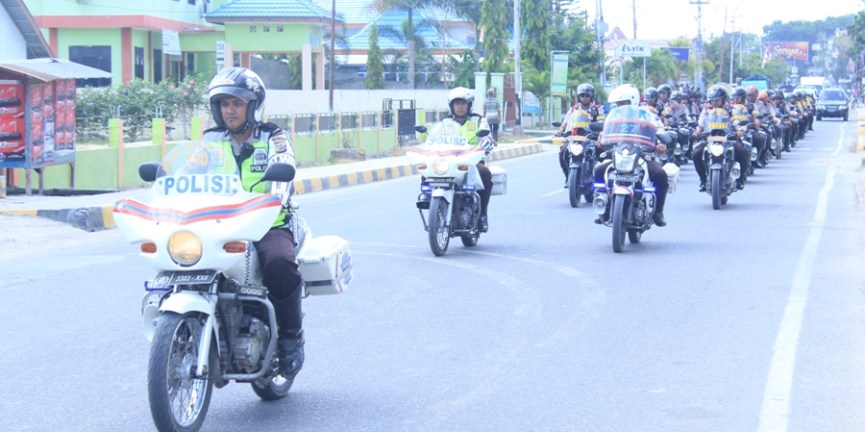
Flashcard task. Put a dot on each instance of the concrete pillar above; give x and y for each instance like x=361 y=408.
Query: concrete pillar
x=319 y=70
x=306 y=67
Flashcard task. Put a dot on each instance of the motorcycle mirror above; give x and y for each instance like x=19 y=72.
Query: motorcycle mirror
x=556 y=123
x=483 y=132
x=597 y=126
x=743 y=122
x=279 y=172
x=150 y=171
x=420 y=128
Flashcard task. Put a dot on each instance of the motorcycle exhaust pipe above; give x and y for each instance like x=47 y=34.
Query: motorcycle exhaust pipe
x=600 y=204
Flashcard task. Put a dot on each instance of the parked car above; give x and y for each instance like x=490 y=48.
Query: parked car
x=833 y=102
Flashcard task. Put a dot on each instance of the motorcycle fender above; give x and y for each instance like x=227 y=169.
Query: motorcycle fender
x=185 y=302
x=715 y=167
x=620 y=190
x=179 y=303
x=447 y=194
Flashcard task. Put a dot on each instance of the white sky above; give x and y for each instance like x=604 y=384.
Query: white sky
x=669 y=19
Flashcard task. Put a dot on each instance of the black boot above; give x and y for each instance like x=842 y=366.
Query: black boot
x=658 y=217
x=290 y=336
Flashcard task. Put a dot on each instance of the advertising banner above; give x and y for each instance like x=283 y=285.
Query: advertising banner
x=11 y=123
x=559 y=76
x=37 y=130
x=679 y=53
x=786 y=51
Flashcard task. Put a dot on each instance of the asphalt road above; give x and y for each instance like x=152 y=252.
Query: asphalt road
x=747 y=318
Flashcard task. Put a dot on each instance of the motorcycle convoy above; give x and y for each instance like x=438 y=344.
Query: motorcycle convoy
x=764 y=124
x=207 y=311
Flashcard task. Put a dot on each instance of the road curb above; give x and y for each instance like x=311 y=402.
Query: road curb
x=374 y=175
x=86 y=218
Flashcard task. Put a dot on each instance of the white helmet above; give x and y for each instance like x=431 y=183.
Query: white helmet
x=624 y=92
x=460 y=93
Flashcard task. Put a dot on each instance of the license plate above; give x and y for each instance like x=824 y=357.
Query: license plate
x=192 y=277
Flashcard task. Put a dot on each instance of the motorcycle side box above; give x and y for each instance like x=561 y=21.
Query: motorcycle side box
x=325 y=264
x=500 y=180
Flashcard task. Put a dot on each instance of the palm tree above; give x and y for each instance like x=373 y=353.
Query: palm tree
x=409 y=6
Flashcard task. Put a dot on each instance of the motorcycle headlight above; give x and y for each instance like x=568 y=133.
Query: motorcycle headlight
x=184 y=248
x=575 y=149
x=440 y=166
x=716 y=149
x=625 y=162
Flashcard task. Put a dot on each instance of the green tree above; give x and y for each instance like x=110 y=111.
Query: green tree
x=495 y=36
x=409 y=7
x=570 y=33
x=374 y=65
x=661 y=68
x=535 y=23
x=464 y=69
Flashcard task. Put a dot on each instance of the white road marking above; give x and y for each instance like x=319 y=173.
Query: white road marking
x=774 y=415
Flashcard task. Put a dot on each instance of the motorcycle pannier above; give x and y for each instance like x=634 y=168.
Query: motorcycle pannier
x=325 y=264
x=500 y=180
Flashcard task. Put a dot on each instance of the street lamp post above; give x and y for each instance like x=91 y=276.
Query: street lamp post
x=698 y=45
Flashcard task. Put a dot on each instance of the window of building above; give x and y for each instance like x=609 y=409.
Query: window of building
x=98 y=57
x=190 y=64
x=157 y=65
x=139 y=62
x=192 y=2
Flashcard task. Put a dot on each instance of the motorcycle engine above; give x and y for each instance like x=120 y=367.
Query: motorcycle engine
x=465 y=212
x=249 y=346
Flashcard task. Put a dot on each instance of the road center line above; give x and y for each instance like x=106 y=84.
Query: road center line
x=774 y=415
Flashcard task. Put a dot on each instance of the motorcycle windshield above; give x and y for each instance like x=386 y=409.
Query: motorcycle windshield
x=629 y=124
x=445 y=139
x=198 y=190
x=446 y=132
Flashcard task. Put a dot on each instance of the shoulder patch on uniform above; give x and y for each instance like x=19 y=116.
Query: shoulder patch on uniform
x=280 y=142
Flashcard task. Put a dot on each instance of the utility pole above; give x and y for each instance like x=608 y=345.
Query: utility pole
x=698 y=45
x=600 y=30
x=732 y=46
x=332 y=39
x=634 y=9
x=518 y=79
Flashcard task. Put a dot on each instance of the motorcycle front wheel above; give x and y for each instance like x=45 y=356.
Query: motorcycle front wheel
x=574 y=187
x=438 y=232
x=618 y=217
x=715 y=185
x=178 y=399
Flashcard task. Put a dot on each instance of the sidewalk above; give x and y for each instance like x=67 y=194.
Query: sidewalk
x=94 y=212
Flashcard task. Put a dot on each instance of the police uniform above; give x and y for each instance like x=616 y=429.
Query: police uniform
x=269 y=144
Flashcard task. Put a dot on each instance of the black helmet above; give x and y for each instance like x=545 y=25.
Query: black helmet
x=650 y=93
x=586 y=88
x=665 y=88
x=717 y=93
x=739 y=93
x=243 y=84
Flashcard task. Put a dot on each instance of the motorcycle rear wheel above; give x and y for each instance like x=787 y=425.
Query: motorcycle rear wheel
x=634 y=236
x=618 y=216
x=276 y=388
x=178 y=400
x=438 y=231
x=573 y=187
